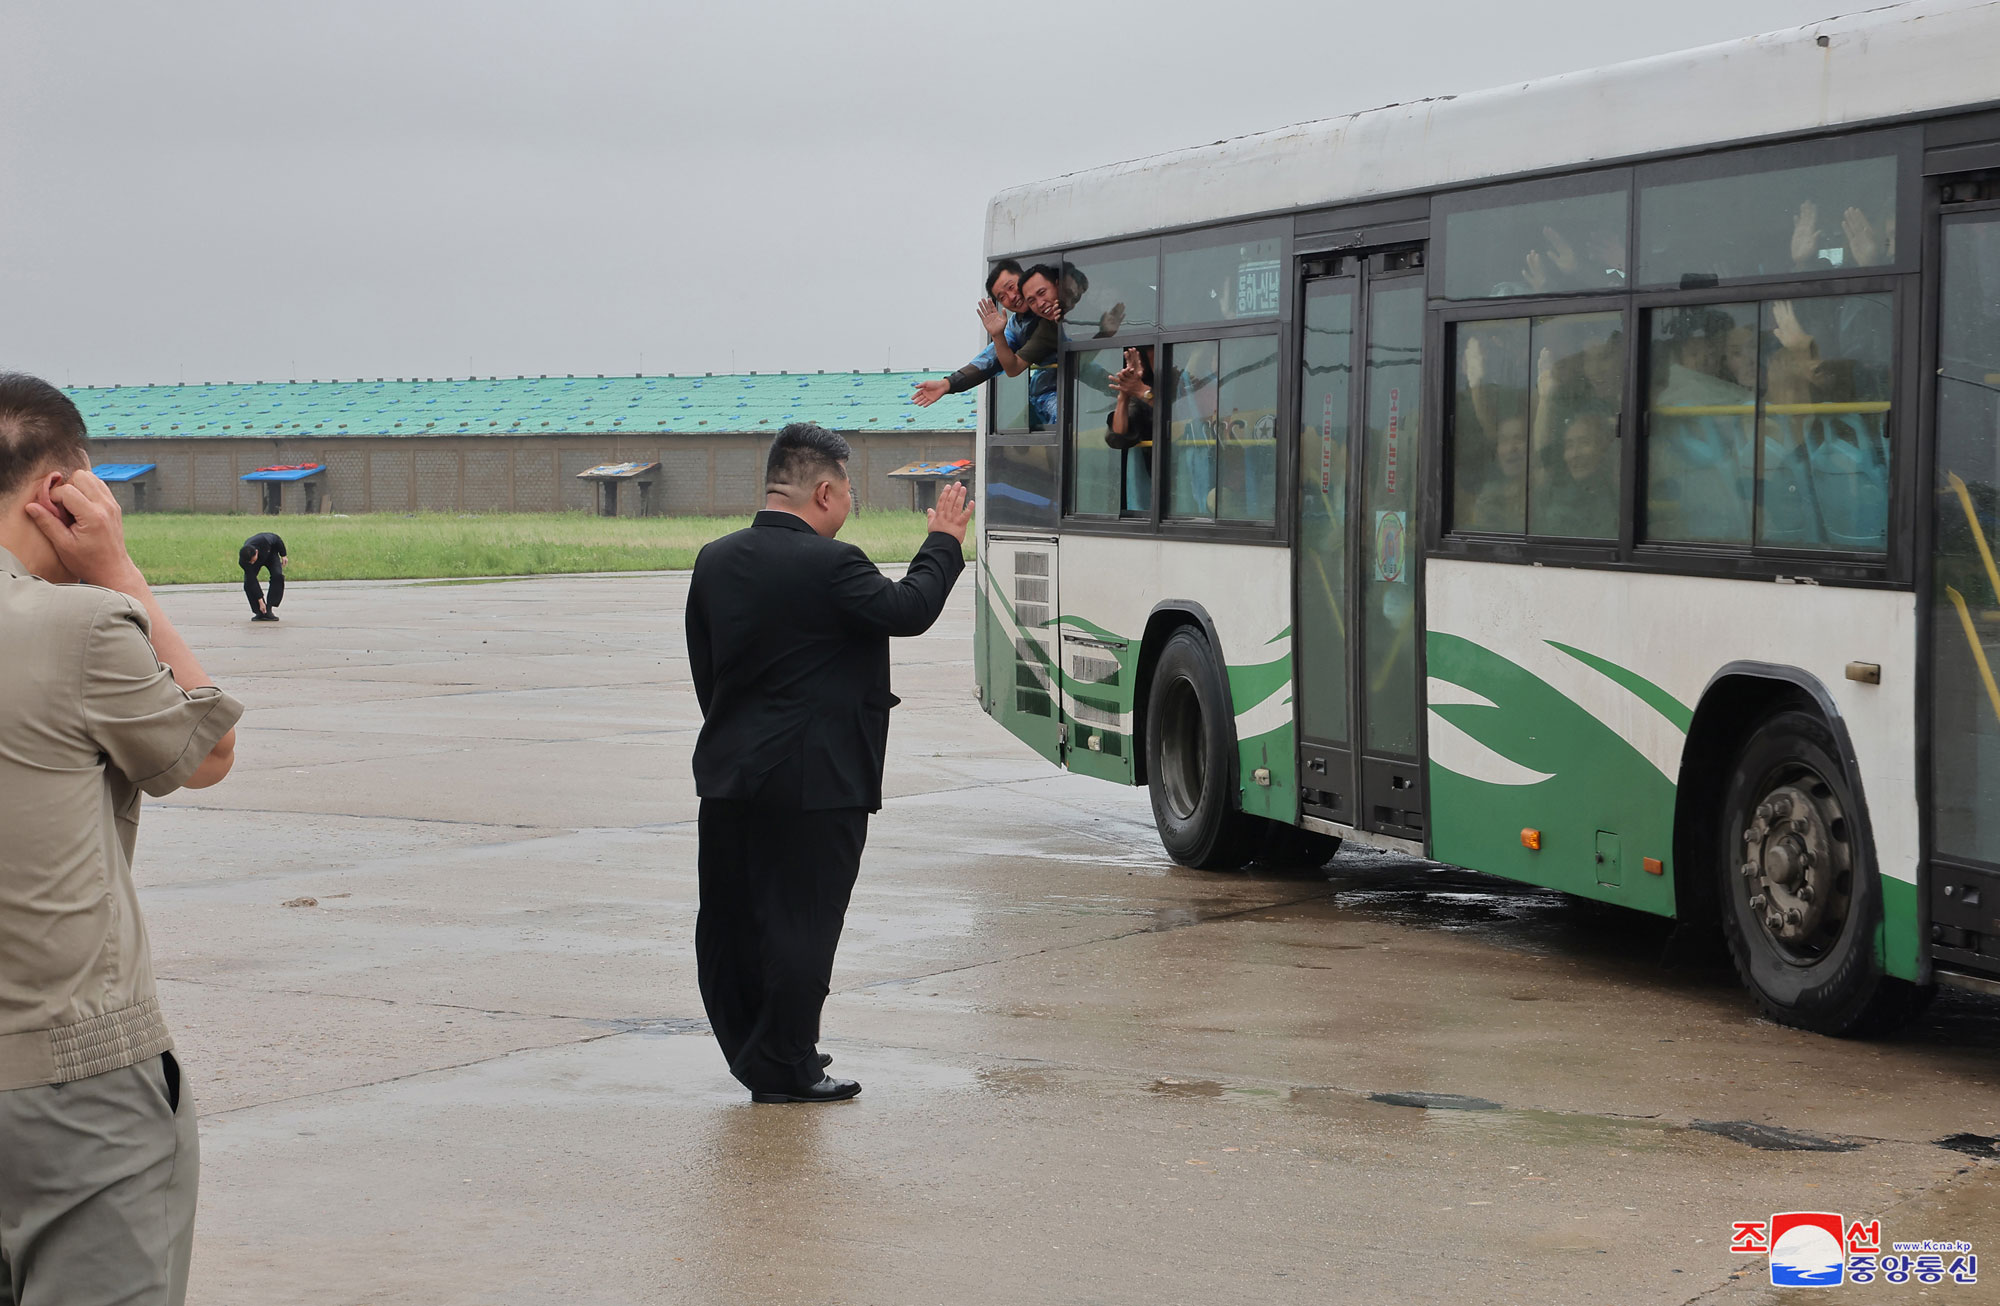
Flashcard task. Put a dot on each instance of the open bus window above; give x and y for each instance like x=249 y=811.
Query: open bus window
x=1232 y=280
x=1771 y=421
x=1222 y=429
x=1769 y=222
x=1535 y=426
x=1112 y=399
x=1524 y=244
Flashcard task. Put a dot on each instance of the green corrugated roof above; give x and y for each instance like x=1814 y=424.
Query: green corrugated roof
x=681 y=405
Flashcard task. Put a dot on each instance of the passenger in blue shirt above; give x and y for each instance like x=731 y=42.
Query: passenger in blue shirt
x=1006 y=330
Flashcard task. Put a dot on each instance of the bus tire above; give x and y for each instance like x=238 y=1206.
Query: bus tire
x=1191 y=758
x=1800 y=896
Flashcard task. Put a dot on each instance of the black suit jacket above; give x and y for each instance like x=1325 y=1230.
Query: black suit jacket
x=788 y=637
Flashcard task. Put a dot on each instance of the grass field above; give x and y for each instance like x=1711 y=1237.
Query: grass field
x=186 y=549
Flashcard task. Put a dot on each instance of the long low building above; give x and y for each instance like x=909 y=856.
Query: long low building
x=507 y=444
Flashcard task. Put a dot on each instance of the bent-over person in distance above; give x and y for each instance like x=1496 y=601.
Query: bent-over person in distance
x=788 y=642
x=101 y=700
x=263 y=551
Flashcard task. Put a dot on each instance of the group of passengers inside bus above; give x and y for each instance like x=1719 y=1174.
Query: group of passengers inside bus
x=1767 y=419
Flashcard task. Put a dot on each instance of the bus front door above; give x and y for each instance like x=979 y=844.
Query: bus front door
x=1965 y=598
x=1357 y=626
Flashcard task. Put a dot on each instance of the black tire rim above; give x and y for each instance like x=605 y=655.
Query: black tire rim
x=1183 y=749
x=1797 y=868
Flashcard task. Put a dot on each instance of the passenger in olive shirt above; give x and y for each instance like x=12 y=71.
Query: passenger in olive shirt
x=101 y=700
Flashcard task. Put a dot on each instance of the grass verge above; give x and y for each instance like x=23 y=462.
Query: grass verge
x=190 y=549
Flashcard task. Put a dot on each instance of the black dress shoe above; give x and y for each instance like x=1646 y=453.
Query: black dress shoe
x=825 y=1060
x=828 y=1089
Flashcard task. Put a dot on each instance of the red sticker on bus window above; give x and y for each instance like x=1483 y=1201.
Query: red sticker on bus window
x=1326 y=447
x=1395 y=423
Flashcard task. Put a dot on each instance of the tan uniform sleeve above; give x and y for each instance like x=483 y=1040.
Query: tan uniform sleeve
x=148 y=727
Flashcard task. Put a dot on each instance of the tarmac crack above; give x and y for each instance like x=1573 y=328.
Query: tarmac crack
x=356 y=816
x=501 y=1055
x=389 y=1002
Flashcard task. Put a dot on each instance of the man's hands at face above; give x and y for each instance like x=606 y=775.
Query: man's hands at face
x=91 y=544
x=953 y=511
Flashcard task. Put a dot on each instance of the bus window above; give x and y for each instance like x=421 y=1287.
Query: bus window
x=1222 y=429
x=1699 y=461
x=1232 y=280
x=1965 y=635
x=1823 y=428
x=1829 y=217
x=1020 y=485
x=1010 y=402
x=1489 y=473
x=1573 y=425
x=1106 y=292
x=1525 y=241
x=1112 y=460
x=1193 y=389
x=1813 y=378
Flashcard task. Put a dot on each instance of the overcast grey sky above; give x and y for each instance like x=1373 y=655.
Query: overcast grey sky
x=261 y=190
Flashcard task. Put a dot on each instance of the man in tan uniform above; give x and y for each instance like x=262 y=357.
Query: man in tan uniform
x=100 y=700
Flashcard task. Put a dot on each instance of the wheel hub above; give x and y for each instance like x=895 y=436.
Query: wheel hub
x=1183 y=750
x=1798 y=866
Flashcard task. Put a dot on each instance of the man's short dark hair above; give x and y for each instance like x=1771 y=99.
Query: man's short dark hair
x=246 y=557
x=803 y=455
x=40 y=430
x=1004 y=265
x=1048 y=270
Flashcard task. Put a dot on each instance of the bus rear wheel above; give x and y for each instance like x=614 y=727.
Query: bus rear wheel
x=1191 y=759
x=1800 y=896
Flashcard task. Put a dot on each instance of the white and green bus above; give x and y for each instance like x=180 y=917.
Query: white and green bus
x=1593 y=482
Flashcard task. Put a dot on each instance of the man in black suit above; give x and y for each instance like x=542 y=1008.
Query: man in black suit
x=263 y=551
x=788 y=639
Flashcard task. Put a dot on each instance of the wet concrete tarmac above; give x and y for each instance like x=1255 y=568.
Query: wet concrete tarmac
x=475 y=1069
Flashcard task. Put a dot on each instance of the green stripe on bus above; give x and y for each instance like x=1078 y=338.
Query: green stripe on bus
x=1658 y=699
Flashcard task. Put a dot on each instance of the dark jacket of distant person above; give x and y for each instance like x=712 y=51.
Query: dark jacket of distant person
x=788 y=640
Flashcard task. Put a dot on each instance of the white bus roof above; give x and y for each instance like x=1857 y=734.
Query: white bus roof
x=1904 y=59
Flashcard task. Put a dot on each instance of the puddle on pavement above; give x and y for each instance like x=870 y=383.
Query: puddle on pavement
x=1452 y=1115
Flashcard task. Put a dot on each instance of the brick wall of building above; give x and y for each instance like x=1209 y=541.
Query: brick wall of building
x=706 y=475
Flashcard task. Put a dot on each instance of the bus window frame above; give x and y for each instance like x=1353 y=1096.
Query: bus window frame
x=1156 y=524
x=1904 y=144
x=1495 y=546
x=1239 y=233
x=1890 y=570
x=1112 y=251
x=1445 y=204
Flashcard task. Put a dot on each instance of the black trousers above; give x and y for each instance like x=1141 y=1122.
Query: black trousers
x=774 y=888
x=255 y=592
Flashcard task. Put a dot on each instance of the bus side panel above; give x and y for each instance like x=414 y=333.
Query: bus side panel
x=1110 y=588
x=1559 y=701
x=1014 y=606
